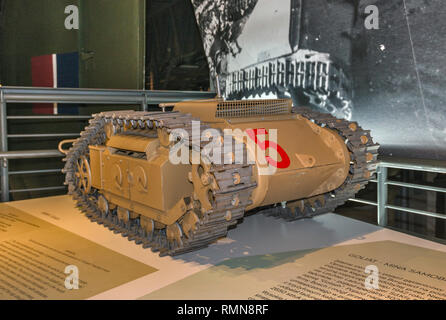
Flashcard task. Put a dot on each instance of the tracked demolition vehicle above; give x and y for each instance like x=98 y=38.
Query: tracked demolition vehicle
x=120 y=171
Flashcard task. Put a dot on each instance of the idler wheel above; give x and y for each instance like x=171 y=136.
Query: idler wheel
x=148 y=225
x=190 y=223
x=174 y=234
x=103 y=206
x=123 y=215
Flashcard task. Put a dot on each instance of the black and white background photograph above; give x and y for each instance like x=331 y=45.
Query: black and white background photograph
x=378 y=62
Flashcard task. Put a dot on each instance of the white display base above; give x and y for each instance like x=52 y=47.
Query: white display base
x=257 y=235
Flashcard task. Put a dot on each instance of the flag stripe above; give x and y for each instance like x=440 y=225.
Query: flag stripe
x=42 y=76
x=56 y=71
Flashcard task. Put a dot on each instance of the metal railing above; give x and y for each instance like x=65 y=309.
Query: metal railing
x=383 y=182
x=9 y=95
x=144 y=98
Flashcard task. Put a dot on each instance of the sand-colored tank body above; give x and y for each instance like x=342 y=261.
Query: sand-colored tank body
x=136 y=172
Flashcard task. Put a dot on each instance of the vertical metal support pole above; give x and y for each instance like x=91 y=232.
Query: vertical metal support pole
x=4 y=148
x=382 y=196
x=144 y=106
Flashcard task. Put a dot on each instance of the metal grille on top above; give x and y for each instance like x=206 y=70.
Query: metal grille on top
x=252 y=108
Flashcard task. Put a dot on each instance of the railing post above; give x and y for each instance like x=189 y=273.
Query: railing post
x=382 y=195
x=144 y=106
x=4 y=148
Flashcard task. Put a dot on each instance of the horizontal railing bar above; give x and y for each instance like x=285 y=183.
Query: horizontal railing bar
x=412 y=166
x=56 y=117
x=86 y=91
x=43 y=135
x=416 y=186
x=31 y=154
x=363 y=201
x=416 y=211
x=98 y=96
x=81 y=91
x=15 y=173
x=73 y=99
x=38 y=189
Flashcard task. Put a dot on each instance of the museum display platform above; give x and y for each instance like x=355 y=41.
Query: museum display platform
x=329 y=257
